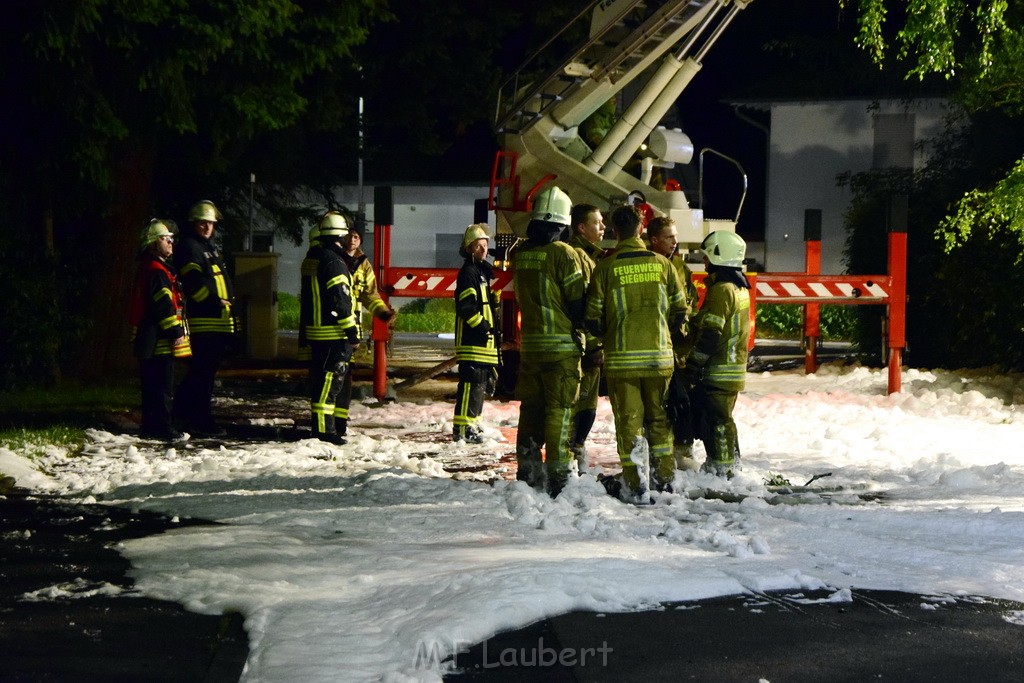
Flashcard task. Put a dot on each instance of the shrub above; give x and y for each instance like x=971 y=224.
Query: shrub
x=786 y=321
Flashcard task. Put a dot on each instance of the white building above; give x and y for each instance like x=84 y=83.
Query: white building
x=429 y=221
x=811 y=143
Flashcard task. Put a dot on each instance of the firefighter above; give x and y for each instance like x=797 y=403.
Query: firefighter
x=476 y=334
x=208 y=303
x=548 y=283
x=158 y=330
x=325 y=311
x=364 y=297
x=636 y=303
x=717 y=364
x=587 y=233
x=664 y=238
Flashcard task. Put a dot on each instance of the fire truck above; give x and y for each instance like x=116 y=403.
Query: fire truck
x=632 y=59
x=541 y=116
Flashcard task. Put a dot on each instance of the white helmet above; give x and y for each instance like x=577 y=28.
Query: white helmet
x=552 y=205
x=204 y=210
x=477 y=231
x=333 y=224
x=154 y=231
x=724 y=248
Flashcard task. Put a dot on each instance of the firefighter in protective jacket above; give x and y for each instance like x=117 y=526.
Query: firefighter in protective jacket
x=664 y=239
x=716 y=366
x=549 y=288
x=325 y=310
x=476 y=334
x=365 y=297
x=637 y=304
x=209 y=296
x=158 y=330
x=587 y=233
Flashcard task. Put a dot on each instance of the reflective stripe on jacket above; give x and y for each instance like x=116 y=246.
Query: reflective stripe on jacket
x=206 y=285
x=325 y=297
x=156 y=319
x=548 y=279
x=723 y=329
x=364 y=287
x=634 y=298
x=475 y=314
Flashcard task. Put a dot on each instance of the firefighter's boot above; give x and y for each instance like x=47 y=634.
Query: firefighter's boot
x=579 y=452
x=664 y=473
x=530 y=466
x=683 y=456
x=720 y=450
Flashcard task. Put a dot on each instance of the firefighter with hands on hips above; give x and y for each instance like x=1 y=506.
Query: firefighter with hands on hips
x=587 y=233
x=664 y=238
x=548 y=283
x=476 y=334
x=325 y=311
x=364 y=297
x=716 y=366
x=208 y=300
x=159 y=334
x=637 y=304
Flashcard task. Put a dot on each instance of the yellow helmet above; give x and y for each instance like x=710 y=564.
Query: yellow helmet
x=204 y=210
x=333 y=224
x=724 y=248
x=154 y=231
x=552 y=205
x=477 y=231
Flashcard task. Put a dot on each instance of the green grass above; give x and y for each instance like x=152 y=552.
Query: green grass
x=33 y=442
x=70 y=398
x=427 y=315
x=287 y=311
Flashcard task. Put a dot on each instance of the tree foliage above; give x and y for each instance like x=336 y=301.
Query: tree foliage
x=116 y=111
x=981 y=42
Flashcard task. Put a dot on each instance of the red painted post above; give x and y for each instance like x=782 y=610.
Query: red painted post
x=812 y=266
x=383 y=216
x=897 y=307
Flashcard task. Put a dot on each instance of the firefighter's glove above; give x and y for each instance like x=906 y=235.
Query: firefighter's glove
x=692 y=373
x=484 y=327
x=593 y=359
x=387 y=314
x=353 y=335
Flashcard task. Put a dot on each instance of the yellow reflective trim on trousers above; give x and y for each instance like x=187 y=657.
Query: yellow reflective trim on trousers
x=462 y=418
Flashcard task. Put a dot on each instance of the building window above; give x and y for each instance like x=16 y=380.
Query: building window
x=894 y=141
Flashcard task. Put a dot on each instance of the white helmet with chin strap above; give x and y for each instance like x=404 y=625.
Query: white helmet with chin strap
x=724 y=248
x=553 y=206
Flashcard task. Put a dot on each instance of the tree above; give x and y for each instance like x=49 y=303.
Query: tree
x=982 y=41
x=113 y=102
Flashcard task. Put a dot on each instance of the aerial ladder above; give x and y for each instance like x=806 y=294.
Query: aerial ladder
x=539 y=113
x=660 y=44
